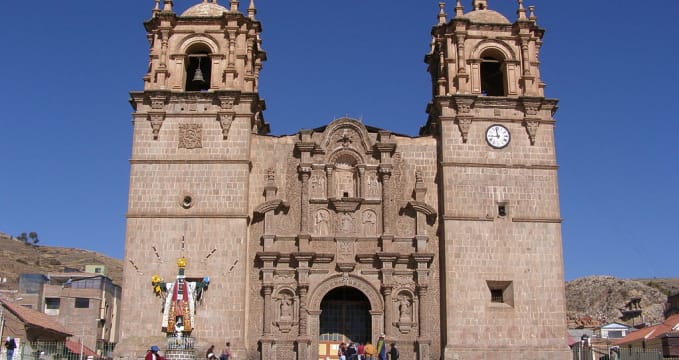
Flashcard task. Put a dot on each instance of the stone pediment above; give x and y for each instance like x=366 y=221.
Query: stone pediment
x=346 y=133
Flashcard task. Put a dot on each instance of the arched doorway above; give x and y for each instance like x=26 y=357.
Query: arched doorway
x=334 y=305
x=345 y=317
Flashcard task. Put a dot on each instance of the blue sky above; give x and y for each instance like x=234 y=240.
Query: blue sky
x=68 y=66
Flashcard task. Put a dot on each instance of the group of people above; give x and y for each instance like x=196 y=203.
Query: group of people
x=354 y=351
x=367 y=351
x=225 y=355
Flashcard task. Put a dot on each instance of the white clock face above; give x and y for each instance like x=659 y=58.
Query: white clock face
x=497 y=136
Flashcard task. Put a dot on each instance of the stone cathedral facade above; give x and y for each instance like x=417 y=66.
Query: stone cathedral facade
x=448 y=243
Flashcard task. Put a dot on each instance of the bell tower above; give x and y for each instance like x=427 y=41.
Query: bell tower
x=189 y=170
x=501 y=247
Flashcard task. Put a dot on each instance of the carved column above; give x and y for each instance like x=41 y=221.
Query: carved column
x=424 y=342
x=388 y=310
x=360 y=191
x=305 y=172
x=386 y=200
x=268 y=310
x=330 y=183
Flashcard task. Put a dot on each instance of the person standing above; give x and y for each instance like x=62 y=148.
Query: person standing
x=381 y=348
x=369 y=351
x=361 y=351
x=10 y=345
x=152 y=354
x=226 y=352
x=393 y=352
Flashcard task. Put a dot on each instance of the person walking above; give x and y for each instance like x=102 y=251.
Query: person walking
x=10 y=345
x=393 y=352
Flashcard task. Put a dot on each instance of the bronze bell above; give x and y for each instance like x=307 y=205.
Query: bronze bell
x=198 y=75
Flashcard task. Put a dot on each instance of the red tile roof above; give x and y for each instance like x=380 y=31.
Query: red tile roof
x=651 y=332
x=74 y=347
x=34 y=318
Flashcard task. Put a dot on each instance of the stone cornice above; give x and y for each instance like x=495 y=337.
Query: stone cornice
x=466 y=218
x=538 y=220
x=149 y=215
x=189 y=162
x=507 y=166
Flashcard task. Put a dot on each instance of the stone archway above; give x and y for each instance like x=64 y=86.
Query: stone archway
x=338 y=281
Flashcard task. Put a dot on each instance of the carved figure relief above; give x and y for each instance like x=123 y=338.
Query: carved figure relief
x=372 y=186
x=345 y=224
x=190 y=136
x=321 y=219
x=317 y=186
x=345 y=251
x=369 y=221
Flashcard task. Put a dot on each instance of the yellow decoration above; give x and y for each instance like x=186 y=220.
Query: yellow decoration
x=181 y=262
x=156 y=279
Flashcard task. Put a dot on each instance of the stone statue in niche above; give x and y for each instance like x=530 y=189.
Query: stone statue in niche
x=321 y=219
x=405 y=309
x=286 y=308
x=369 y=220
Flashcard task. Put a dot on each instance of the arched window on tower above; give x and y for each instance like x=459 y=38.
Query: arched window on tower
x=198 y=68
x=493 y=75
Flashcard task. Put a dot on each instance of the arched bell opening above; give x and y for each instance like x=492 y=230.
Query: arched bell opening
x=345 y=318
x=493 y=74
x=198 y=68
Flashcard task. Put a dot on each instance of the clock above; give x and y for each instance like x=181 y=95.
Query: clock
x=498 y=136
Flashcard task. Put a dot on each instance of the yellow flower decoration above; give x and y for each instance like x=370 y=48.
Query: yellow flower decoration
x=181 y=262
x=156 y=279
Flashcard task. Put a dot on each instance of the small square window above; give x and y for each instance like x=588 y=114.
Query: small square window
x=82 y=303
x=496 y=296
x=501 y=292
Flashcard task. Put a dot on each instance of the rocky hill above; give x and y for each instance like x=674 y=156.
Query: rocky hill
x=596 y=300
x=18 y=257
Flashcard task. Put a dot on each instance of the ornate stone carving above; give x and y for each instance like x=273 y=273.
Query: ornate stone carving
x=372 y=185
x=226 y=102
x=225 y=120
x=190 y=136
x=345 y=224
x=531 y=129
x=464 y=123
x=369 y=223
x=345 y=251
x=156 y=119
x=286 y=312
x=405 y=312
x=321 y=222
x=317 y=184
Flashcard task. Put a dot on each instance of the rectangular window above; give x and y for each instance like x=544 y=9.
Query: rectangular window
x=501 y=292
x=496 y=296
x=52 y=306
x=615 y=334
x=82 y=303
